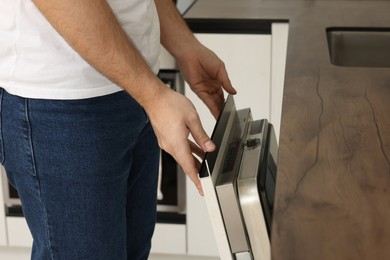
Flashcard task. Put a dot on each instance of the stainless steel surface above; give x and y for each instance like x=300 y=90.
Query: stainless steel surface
x=231 y=157
x=359 y=47
x=210 y=169
x=232 y=180
x=249 y=196
x=215 y=160
x=226 y=184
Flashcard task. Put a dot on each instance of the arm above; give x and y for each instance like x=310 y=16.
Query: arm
x=92 y=29
x=202 y=69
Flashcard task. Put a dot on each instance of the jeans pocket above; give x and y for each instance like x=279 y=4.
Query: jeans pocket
x=1 y=127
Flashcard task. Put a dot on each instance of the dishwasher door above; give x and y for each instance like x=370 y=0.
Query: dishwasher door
x=238 y=180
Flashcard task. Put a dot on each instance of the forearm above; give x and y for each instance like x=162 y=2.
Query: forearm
x=92 y=29
x=201 y=68
x=176 y=37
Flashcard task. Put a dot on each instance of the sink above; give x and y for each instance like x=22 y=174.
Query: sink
x=359 y=47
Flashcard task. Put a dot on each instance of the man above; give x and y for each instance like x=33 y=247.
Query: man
x=83 y=154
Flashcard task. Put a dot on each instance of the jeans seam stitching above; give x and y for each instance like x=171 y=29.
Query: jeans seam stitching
x=37 y=178
x=30 y=138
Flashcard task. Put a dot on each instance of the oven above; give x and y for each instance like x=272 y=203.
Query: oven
x=11 y=199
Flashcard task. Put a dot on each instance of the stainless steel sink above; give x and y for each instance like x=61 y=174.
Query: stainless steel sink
x=359 y=47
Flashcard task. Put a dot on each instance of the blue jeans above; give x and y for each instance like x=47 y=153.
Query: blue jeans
x=86 y=172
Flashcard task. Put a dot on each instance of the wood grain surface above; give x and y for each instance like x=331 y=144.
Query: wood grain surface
x=333 y=186
x=333 y=183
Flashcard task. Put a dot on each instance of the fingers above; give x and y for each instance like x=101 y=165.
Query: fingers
x=223 y=78
x=189 y=164
x=199 y=134
x=186 y=159
x=214 y=101
x=173 y=119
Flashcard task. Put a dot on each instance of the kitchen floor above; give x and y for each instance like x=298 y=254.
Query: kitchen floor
x=24 y=254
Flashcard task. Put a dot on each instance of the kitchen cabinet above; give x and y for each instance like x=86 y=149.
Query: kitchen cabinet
x=3 y=225
x=247 y=59
x=18 y=234
x=279 y=39
x=256 y=65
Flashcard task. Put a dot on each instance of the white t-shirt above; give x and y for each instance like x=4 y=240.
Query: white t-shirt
x=36 y=62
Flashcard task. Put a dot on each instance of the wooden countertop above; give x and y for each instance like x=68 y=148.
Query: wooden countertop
x=333 y=184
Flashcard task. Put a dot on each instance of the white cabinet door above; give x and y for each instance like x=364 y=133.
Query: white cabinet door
x=169 y=239
x=3 y=226
x=247 y=59
x=18 y=233
x=278 y=67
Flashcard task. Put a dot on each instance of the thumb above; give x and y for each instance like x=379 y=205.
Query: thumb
x=200 y=136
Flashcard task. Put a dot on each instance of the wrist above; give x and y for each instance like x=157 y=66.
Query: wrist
x=182 y=45
x=151 y=93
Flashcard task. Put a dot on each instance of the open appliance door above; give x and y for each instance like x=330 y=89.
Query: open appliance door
x=238 y=181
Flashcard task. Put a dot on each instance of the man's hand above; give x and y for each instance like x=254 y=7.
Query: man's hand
x=201 y=68
x=173 y=118
x=207 y=76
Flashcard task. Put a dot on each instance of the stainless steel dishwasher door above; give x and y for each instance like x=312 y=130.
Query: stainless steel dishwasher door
x=238 y=180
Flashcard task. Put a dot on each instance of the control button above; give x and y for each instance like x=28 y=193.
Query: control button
x=253 y=143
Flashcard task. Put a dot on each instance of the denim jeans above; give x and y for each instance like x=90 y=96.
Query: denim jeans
x=86 y=172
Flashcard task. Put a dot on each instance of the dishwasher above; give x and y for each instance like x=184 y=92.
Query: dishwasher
x=238 y=181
